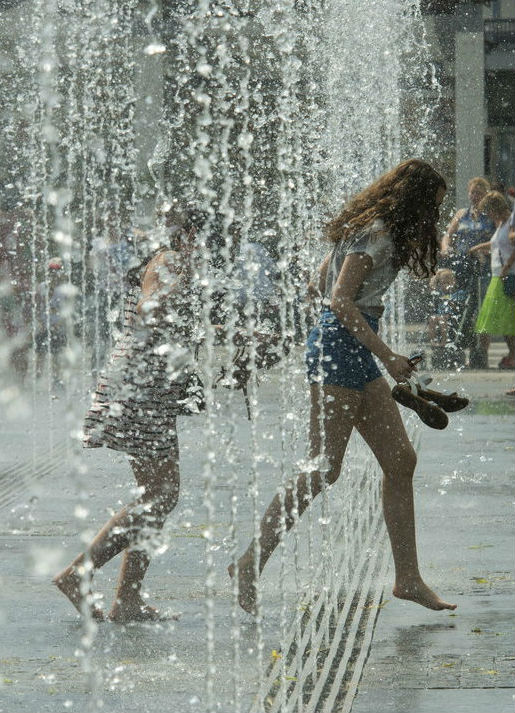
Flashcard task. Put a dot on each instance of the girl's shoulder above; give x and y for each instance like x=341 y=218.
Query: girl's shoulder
x=164 y=255
x=165 y=258
x=375 y=232
x=373 y=239
x=160 y=268
x=378 y=229
x=171 y=259
x=374 y=229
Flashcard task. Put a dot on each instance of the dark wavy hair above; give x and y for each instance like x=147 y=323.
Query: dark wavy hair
x=405 y=199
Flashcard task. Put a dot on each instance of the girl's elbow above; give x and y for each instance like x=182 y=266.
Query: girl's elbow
x=340 y=305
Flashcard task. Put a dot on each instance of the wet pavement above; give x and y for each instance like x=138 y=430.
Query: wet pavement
x=419 y=661
x=422 y=661
x=54 y=500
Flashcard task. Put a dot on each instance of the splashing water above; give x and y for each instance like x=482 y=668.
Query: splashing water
x=263 y=117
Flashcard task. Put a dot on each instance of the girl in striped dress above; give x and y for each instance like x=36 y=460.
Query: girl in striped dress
x=148 y=382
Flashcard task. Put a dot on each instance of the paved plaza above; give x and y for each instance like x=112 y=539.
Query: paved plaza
x=436 y=662
x=417 y=661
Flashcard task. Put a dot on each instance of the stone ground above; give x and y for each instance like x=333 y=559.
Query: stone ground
x=419 y=661
x=436 y=662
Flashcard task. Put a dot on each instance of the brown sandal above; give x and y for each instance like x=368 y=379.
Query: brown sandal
x=431 y=414
x=449 y=402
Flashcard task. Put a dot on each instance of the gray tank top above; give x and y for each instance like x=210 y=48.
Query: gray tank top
x=373 y=240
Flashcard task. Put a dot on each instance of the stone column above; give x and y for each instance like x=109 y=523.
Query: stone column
x=470 y=111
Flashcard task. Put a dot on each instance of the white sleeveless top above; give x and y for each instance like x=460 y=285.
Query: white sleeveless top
x=501 y=249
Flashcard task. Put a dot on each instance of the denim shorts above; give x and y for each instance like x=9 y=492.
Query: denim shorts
x=335 y=357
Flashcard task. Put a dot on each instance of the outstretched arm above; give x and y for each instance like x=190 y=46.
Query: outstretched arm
x=448 y=238
x=482 y=248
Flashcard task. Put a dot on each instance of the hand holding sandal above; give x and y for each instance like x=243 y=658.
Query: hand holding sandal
x=428 y=404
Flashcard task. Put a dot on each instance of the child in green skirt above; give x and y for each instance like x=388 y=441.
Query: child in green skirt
x=497 y=314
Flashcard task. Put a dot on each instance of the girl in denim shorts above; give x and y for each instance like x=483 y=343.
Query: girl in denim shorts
x=390 y=225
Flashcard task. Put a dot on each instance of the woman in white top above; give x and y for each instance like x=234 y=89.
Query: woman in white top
x=389 y=225
x=497 y=314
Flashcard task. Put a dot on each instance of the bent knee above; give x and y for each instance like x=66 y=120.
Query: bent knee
x=332 y=475
x=403 y=462
x=319 y=479
x=167 y=501
x=410 y=459
x=162 y=503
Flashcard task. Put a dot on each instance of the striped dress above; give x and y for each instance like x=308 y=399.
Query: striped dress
x=148 y=381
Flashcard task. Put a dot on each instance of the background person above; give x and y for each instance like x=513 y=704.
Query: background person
x=443 y=323
x=497 y=314
x=51 y=323
x=390 y=225
x=469 y=227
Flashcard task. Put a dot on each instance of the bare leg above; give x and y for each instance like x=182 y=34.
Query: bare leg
x=163 y=493
x=128 y=604
x=510 y=342
x=437 y=330
x=381 y=426
x=484 y=342
x=336 y=421
x=74 y=582
x=160 y=480
x=107 y=543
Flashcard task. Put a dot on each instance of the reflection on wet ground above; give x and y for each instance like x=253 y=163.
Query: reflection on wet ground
x=504 y=406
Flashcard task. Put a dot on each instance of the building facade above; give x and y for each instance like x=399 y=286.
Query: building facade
x=474 y=53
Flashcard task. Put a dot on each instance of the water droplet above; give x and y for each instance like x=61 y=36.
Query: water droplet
x=204 y=69
x=81 y=512
x=154 y=48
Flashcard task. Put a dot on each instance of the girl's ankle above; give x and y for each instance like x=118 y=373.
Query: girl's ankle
x=408 y=579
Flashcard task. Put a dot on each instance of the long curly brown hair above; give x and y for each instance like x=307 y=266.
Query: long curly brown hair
x=405 y=199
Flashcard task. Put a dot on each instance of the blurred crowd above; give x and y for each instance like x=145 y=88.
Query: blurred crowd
x=43 y=302
x=34 y=293
x=478 y=244
x=34 y=287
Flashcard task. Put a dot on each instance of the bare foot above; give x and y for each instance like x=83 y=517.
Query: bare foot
x=136 y=610
x=247 y=594
x=69 y=582
x=420 y=593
